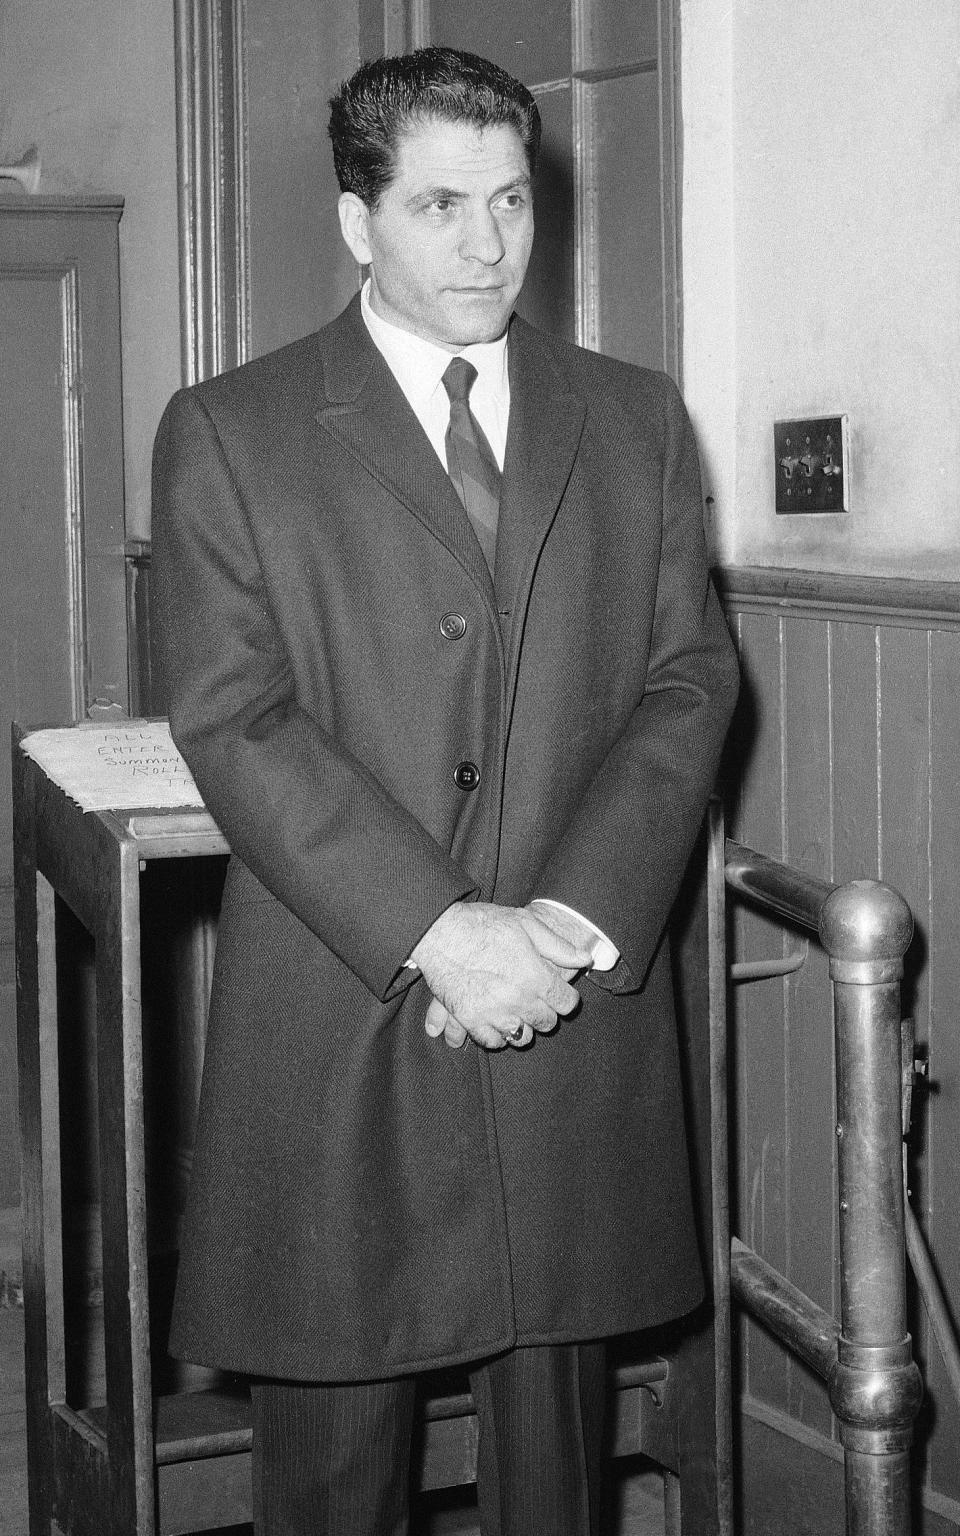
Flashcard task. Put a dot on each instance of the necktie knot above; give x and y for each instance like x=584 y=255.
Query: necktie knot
x=459 y=378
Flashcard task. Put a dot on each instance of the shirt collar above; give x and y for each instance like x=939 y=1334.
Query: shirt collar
x=419 y=365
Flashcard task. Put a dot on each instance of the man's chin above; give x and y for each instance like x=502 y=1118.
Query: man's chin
x=469 y=327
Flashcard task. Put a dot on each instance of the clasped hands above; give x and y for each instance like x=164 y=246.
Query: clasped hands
x=499 y=974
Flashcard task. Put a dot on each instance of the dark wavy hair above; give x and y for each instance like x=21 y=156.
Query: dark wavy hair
x=372 y=110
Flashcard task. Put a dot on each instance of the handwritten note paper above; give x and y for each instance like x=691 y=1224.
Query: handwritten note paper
x=115 y=767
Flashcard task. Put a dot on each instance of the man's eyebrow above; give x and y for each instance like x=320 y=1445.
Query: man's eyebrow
x=423 y=194
x=515 y=182
x=457 y=194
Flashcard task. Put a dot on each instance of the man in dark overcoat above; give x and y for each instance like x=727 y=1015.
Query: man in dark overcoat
x=440 y=647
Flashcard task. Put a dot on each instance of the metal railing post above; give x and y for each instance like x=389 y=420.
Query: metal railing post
x=866 y=1358
x=875 y=1386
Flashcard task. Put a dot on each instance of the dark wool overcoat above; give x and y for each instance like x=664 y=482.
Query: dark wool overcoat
x=365 y=1201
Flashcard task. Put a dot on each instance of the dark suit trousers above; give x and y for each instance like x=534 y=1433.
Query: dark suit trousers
x=335 y=1460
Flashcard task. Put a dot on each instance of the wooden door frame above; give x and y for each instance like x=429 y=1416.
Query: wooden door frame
x=212 y=182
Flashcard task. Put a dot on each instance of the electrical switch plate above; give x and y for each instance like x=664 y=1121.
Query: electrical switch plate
x=810 y=464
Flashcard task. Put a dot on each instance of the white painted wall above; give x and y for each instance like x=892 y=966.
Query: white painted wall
x=821 y=269
x=92 y=84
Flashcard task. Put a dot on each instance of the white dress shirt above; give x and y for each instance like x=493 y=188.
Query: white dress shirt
x=418 y=367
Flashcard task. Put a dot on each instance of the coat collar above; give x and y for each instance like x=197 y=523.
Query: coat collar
x=364 y=408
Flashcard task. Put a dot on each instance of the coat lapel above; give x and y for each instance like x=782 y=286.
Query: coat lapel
x=365 y=410
x=546 y=423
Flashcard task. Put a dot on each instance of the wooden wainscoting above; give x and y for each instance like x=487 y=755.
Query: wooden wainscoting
x=844 y=760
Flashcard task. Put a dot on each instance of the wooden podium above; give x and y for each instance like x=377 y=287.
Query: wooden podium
x=138 y=1463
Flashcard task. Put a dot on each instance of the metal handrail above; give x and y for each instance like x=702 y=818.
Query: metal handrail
x=866 y=1358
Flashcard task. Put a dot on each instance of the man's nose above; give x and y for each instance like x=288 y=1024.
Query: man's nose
x=482 y=240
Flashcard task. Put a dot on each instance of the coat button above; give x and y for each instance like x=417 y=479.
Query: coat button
x=466 y=775
x=452 y=626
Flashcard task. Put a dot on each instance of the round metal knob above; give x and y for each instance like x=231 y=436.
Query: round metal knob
x=865 y=921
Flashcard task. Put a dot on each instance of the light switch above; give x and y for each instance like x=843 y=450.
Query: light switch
x=810 y=465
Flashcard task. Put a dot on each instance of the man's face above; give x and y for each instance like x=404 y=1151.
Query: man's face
x=448 y=245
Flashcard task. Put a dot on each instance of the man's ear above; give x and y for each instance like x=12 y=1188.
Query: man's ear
x=354 y=214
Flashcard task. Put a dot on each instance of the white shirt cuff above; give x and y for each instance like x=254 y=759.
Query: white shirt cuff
x=605 y=952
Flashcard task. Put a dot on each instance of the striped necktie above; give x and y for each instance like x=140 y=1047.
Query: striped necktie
x=470 y=460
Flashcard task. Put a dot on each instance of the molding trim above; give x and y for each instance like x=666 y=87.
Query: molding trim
x=56 y=206
x=212 y=185
x=671 y=188
x=406 y=25
x=585 y=219
x=73 y=491
x=392 y=26
x=67 y=279
x=826 y=595
x=418 y=24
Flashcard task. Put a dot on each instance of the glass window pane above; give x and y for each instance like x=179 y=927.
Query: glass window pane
x=530 y=38
x=626 y=160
